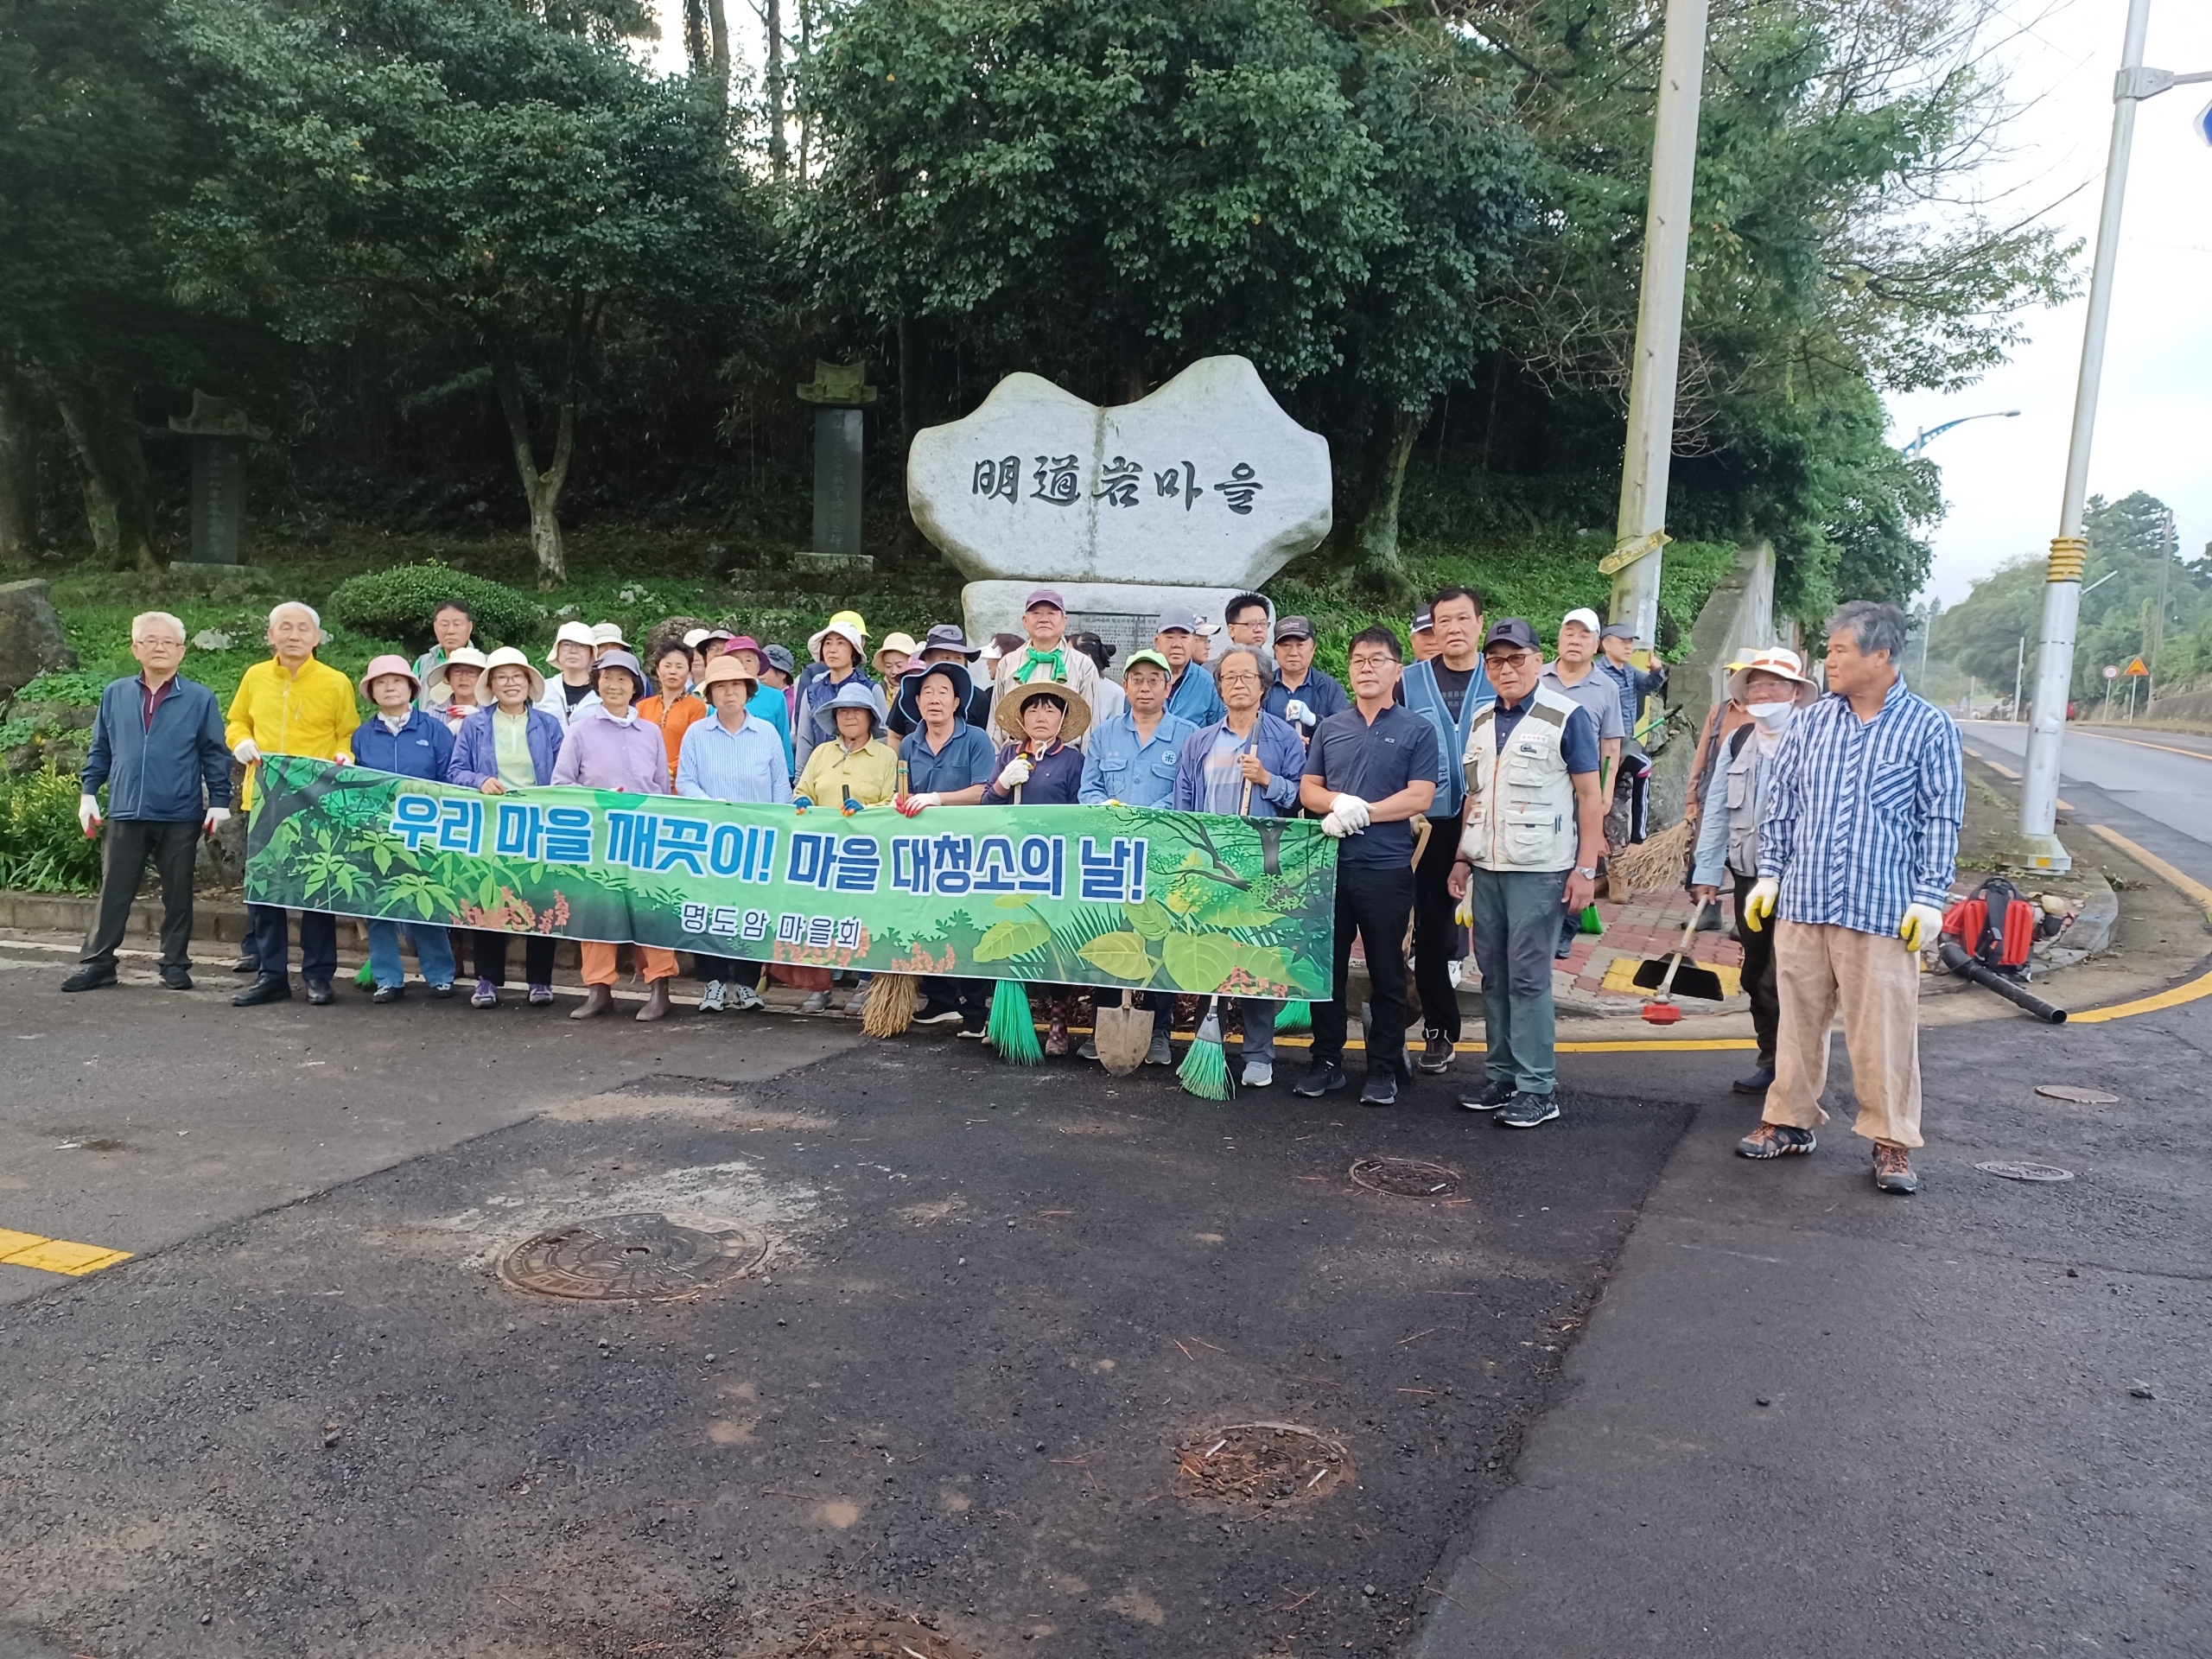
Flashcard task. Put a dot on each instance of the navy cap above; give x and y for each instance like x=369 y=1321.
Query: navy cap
x=1424 y=619
x=1616 y=631
x=1513 y=631
x=1293 y=627
x=1177 y=619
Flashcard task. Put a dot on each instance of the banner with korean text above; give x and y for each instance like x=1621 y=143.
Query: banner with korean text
x=1105 y=896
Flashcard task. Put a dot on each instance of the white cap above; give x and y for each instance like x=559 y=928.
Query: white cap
x=1583 y=614
x=607 y=634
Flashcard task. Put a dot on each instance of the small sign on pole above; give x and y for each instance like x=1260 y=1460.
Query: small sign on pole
x=2138 y=669
x=2111 y=671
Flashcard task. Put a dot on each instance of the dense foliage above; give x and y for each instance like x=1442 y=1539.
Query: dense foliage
x=397 y=604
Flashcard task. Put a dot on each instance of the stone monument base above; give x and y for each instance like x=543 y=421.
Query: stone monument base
x=1124 y=614
x=205 y=573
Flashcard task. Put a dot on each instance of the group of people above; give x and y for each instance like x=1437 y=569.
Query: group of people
x=1468 y=791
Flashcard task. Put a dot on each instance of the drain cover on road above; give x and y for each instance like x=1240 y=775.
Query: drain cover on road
x=883 y=1638
x=2025 y=1171
x=618 y=1258
x=1262 y=1465
x=2067 y=1091
x=1406 y=1177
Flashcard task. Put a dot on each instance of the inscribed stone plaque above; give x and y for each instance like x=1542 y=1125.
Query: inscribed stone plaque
x=837 y=480
x=218 y=499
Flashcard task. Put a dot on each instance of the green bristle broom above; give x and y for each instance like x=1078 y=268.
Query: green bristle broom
x=1011 y=1030
x=1294 y=1016
x=1204 y=1070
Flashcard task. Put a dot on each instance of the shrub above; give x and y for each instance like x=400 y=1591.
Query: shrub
x=396 y=604
x=41 y=849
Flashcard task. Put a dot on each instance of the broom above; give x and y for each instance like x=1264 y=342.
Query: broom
x=1650 y=865
x=891 y=1000
x=1012 y=1031
x=1294 y=1016
x=1204 y=1070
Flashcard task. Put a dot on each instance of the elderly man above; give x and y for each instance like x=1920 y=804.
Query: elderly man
x=1302 y=695
x=1856 y=854
x=1535 y=825
x=944 y=761
x=157 y=744
x=1617 y=658
x=1190 y=694
x=1450 y=692
x=291 y=704
x=1573 y=673
x=1043 y=652
x=453 y=627
x=1421 y=634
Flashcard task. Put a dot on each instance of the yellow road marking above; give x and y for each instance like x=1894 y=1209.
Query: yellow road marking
x=2151 y=862
x=2199 y=987
x=1620 y=975
x=2137 y=742
x=2002 y=770
x=55 y=1254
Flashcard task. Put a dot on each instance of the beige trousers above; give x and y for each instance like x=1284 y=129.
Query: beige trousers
x=1876 y=982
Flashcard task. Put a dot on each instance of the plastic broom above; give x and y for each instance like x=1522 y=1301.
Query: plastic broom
x=1294 y=1016
x=1013 y=1032
x=1204 y=1070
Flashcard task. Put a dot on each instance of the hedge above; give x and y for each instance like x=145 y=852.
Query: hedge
x=397 y=604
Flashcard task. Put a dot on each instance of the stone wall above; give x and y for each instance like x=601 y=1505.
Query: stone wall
x=1739 y=616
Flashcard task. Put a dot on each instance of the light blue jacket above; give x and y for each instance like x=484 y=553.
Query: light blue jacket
x=1118 y=766
x=1194 y=698
x=716 y=764
x=1281 y=749
x=1422 y=696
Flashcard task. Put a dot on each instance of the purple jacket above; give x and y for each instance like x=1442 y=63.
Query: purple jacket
x=602 y=752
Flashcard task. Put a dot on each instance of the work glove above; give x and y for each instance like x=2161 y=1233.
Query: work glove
x=913 y=806
x=216 y=819
x=1919 y=928
x=1351 y=811
x=1016 y=775
x=1297 y=713
x=88 y=814
x=1334 y=828
x=801 y=803
x=1758 y=904
x=848 y=806
x=1465 y=913
x=247 y=752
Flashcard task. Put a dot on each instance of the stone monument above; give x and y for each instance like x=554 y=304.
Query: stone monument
x=220 y=432
x=839 y=392
x=1196 y=493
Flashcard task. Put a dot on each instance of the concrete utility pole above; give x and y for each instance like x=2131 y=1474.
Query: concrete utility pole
x=1635 y=560
x=2035 y=845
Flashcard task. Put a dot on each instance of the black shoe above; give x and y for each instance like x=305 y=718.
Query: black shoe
x=442 y=991
x=92 y=976
x=1758 y=1084
x=318 y=993
x=246 y=965
x=269 y=987
x=1381 y=1089
x=1494 y=1095
x=1437 y=1053
x=935 y=1014
x=176 y=979
x=1525 y=1111
x=1322 y=1078
x=382 y=994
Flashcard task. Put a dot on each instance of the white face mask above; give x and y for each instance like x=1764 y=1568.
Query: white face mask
x=1771 y=716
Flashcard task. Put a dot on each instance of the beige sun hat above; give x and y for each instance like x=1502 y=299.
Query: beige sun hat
x=507 y=657
x=1006 y=716
x=571 y=633
x=438 y=689
x=902 y=643
x=1777 y=660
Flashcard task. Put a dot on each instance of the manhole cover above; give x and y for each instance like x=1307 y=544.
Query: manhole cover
x=869 y=1638
x=2025 y=1171
x=1262 y=1465
x=1407 y=1178
x=619 y=1258
x=2067 y=1091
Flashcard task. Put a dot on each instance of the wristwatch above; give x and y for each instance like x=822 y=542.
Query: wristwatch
x=1587 y=876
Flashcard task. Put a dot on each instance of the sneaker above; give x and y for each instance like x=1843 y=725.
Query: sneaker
x=1089 y=1050
x=1758 y=1084
x=1259 y=1074
x=1159 y=1053
x=1381 y=1089
x=1775 y=1140
x=382 y=994
x=176 y=979
x=1322 y=1078
x=936 y=1013
x=817 y=1002
x=487 y=995
x=1893 y=1169
x=973 y=1032
x=442 y=989
x=92 y=976
x=743 y=999
x=541 y=996
x=1494 y=1095
x=715 y=998
x=1436 y=1053
x=857 y=1003
x=1525 y=1111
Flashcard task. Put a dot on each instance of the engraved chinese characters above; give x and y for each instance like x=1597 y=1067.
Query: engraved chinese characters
x=1117 y=482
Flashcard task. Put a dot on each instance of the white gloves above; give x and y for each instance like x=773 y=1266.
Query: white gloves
x=1334 y=826
x=216 y=819
x=247 y=752
x=88 y=814
x=1297 y=713
x=911 y=805
x=1920 y=927
x=1351 y=811
x=1758 y=904
x=1016 y=775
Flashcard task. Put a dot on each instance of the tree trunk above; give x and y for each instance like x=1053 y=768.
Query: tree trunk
x=18 y=465
x=118 y=505
x=779 y=157
x=718 y=50
x=541 y=489
x=1376 y=565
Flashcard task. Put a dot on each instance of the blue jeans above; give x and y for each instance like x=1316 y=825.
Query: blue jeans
x=432 y=950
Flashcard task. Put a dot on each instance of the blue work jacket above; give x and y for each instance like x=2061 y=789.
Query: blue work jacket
x=156 y=773
x=1118 y=766
x=421 y=748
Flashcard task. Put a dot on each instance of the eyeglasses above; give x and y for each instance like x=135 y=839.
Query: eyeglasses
x=1238 y=679
x=1373 y=659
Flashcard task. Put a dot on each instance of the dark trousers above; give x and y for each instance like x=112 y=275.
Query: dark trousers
x=1437 y=937
x=1517 y=923
x=131 y=841
x=490 y=950
x=731 y=970
x=272 y=943
x=1372 y=900
x=971 y=996
x=1759 y=975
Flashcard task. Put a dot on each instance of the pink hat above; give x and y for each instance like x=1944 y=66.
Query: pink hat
x=388 y=663
x=743 y=642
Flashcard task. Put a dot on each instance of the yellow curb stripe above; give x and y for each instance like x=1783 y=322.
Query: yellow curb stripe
x=2137 y=743
x=2195 y=989
x=55 y=1254
x=2159 y=866
x=2002 y=770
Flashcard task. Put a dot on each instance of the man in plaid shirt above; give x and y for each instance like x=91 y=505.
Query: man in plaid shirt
x=1855 y=857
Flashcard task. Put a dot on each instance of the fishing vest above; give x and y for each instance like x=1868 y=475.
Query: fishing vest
x=1747 y=779
x=1520 y=811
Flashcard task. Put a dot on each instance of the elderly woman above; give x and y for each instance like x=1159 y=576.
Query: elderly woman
x=400 y=737
x=1038 y=768
x=510 y=742
x=768 y=703
x=946 y=762
x=449 y=689
x=672 y=709
x=731 y=756
x=837 y=648
x=849 y=759
x=608 y=748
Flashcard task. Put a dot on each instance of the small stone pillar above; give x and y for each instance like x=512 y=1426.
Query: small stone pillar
x=220 y=432
x=839 y=392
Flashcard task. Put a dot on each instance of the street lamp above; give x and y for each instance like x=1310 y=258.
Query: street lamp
x=2035 y=846
x=1928 y=432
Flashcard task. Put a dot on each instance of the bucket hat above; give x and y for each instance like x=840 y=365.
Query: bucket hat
x=852 y=632
x=438 y=688
x=947 y=636
x=904 y=642
x=779 y=658
x=507 y=657
x=571 y=633
x=910 y=689
x=851 y=695
x=388 y=663
x=727 y=667
x=1006 y=715
x=629 y=665
x=1772 y=659
x=608 y=633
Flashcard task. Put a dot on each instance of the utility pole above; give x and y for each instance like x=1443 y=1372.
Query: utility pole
x=2019 y=664
x=2035 y=846
x=1641 y=532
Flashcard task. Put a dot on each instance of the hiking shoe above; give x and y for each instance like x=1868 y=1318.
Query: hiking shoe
x=936 y=1013
x=382 y=994
x=1775 y=1140
x=1494 y=1095
x=442 y=989
x=1437 y=1053
x=1259 y=1074
x=541 y=996
x=1525 y=1111
x=1380 y=1089
x=92 y=976
x=487 y=995
x=1322 y=1078
x=715 y=998
x=743 y=999
x=817 y=1002
x=176 y=979
x=1893 y=1169
x=1159 y=1053
x=1089 y=1050
x=1758 y=1084
x=857 y=1003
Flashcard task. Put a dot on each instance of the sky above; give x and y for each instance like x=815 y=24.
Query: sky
x=2003 y=479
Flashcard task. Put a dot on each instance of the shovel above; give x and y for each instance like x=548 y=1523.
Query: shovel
x=1673 y=976
x=1123 y=1035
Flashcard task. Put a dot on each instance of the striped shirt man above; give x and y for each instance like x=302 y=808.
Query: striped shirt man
x=1865 y=819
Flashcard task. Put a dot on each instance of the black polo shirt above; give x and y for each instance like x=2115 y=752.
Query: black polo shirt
x=1353 y=758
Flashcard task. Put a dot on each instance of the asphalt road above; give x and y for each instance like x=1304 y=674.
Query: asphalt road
x=2153 y=787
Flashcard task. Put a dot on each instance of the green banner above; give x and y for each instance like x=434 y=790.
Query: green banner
x=1081 y=895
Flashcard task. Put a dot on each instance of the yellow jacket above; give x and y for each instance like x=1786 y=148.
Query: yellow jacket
x=871 y=772
x=311 y=713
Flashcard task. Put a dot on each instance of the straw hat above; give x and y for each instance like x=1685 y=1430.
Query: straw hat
x=1008 y=715
x=1776 y=660
x=438 y=688
x=388 y=663
x=507 y=657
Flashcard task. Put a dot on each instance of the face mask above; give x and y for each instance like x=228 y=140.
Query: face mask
x=1771 y=716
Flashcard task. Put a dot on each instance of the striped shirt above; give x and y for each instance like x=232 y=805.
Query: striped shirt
x=1864 y=815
